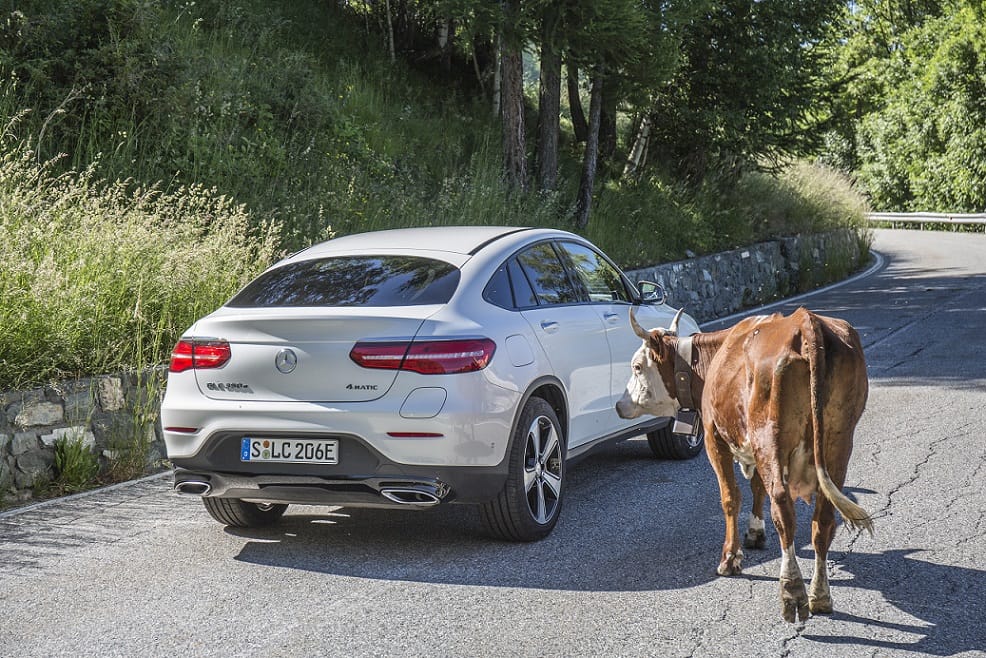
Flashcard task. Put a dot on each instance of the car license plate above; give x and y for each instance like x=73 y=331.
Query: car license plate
x=294 y=451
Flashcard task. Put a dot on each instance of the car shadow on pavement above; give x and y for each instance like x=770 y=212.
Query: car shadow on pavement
x=622 y=508
x=630 y=523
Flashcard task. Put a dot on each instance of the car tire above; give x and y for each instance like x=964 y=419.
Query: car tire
x=665 y=444
x=240 y=514
x=527 y=508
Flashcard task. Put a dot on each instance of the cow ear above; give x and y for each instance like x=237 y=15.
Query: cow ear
x=655 y=340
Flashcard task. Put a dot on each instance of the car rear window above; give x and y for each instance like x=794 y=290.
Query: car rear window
x=353 y=281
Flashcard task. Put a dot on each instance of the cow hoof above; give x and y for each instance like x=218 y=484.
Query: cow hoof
x=731 y=565
x=755 y=539
x=820 y=605
x=794 y=600
x=790 y=607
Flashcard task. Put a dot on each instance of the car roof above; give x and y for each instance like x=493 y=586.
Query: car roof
x=463 y=240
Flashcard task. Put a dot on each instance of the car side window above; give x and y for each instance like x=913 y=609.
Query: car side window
x=600 y=278
x=548 y=275
x=524 y=296
x=497 y=291
x=509 y=288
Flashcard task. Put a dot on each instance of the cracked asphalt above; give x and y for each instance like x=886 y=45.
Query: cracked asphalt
x=630 y=570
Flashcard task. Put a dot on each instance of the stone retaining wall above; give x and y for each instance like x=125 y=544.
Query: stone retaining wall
x=120 y=412
x=714 y=286
x=111 y=414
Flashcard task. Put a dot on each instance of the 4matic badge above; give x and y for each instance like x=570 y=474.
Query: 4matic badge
x=361 y=387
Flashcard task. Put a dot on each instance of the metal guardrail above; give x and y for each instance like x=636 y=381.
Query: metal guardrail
x=923 y=218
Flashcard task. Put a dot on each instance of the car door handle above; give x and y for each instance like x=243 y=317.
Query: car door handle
x=611 y=318
x=549 y=326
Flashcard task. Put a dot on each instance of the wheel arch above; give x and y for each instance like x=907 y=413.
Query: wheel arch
x=550 y=390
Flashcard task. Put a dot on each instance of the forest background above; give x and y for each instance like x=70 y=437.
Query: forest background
x=157 y=155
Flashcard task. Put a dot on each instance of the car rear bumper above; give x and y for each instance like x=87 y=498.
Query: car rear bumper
x=470 y=428
x=403 y=488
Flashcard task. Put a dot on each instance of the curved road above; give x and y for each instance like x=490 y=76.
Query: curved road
x=630 y=570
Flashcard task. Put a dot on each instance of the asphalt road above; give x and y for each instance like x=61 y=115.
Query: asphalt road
x=630 y=570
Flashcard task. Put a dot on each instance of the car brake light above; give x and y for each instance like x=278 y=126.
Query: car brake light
x=428 y=357
x=199 y=354
x=383 y=356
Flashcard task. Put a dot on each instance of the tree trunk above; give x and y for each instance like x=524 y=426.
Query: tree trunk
x=479 y=74
x=583 y=205
x=549 y=102
x=607 y=124
x=579 y=124
x=497 y=75
x=514 y=143
x=390 y=34
x=638 y=155
x=446 y=42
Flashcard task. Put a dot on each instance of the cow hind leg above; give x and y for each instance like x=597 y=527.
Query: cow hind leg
x=794 y=597
x=731 y=560
x=756 y=535
x=822 y=531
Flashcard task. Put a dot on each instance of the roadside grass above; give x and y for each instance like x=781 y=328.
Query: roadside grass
x=97 y=277
x=76 y=466
x=100 y=276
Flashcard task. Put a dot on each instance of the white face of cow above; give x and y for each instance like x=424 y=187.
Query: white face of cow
x=645 y=392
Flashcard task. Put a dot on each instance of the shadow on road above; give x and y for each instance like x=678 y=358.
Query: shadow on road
x=630 y=523
x=668 y=537
x=946 y=601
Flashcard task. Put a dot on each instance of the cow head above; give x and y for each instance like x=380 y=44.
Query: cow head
x=651 y=384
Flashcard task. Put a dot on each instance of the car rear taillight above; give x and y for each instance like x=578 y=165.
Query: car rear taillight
x=199 y=354
x=428 y=357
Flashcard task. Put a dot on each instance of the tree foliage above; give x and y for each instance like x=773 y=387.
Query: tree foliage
x=693 y=89
x=745 y=92
x=922 y=144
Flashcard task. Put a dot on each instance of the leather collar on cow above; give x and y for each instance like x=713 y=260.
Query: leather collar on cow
x=684 y=362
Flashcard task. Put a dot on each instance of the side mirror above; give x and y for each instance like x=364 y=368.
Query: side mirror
x=652 y=293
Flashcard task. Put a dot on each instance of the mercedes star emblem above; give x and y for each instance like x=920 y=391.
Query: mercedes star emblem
x=286 y=361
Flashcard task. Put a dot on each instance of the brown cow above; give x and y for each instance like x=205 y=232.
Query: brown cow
x=781 y=396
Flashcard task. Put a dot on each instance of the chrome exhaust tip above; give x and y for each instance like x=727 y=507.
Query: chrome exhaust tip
x=193 y=487
x=409 y=496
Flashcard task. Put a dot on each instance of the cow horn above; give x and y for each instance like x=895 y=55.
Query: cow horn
x=673 y=329
x=637 y=329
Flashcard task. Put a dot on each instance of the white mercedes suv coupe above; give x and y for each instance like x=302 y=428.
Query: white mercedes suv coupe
x=409 y=368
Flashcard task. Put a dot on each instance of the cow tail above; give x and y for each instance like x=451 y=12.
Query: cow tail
x=814 y=343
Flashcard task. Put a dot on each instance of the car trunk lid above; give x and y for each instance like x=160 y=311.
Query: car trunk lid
x=302 y=354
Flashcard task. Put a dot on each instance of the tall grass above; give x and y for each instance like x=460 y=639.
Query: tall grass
x=804 y=198
x=98 y=276
x=641 y=223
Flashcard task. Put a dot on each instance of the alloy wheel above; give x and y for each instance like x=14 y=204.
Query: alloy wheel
x=543 y=469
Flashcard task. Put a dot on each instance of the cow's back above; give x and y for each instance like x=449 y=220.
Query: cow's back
x=760 y=378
